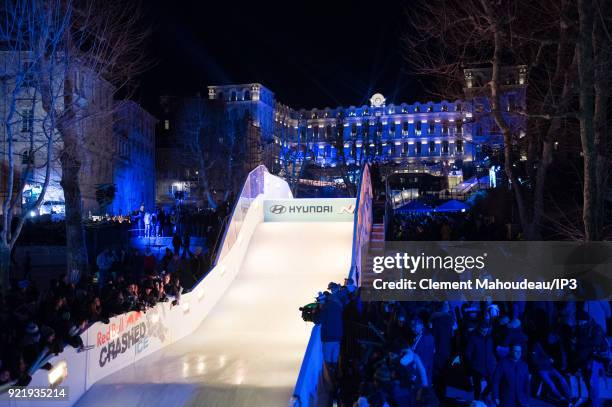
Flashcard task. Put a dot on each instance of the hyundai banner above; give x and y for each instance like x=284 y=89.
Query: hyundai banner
x=309 y=210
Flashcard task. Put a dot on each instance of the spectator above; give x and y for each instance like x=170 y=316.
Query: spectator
x=147 y=224
x=330 y=318
x=104 y=261
x=441 y=323
x=555 y=382
x=589 y=351
x=511 y=380
x=480 y=360
x=176 y=243
x=423 y=345
x=149 y=262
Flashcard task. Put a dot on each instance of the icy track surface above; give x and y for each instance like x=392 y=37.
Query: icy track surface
x=248 y=351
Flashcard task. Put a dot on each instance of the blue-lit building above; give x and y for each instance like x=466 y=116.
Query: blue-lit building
x=407 y=135
x=133 y=158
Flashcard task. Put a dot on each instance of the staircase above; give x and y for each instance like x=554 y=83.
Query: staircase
x=376 y=248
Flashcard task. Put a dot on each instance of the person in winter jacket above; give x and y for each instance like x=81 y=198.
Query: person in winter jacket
x=480 y=360
x=511 y=380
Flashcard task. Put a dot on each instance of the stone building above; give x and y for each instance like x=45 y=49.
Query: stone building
x=29 y=126
x=430 y=137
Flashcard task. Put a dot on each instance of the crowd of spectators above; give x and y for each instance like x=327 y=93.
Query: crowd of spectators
x=38 y=324
x=433 y=353
x=431 y=226
x=460 y=353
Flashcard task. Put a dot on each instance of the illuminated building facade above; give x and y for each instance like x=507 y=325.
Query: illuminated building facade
x=407 y=135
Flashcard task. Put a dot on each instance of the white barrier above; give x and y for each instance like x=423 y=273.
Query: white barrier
x=135 y=335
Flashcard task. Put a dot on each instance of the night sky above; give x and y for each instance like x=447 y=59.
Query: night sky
x=310 y=54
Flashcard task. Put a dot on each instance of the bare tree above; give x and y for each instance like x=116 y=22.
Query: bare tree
x=538 y=38
x=99 y=43
x=30 y=144
x=73 y=48
x=594 y=50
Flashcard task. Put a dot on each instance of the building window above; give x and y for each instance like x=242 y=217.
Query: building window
x=445 y=128
x=379 y=128
x=27 y=120
x=432 y=147
x=445 y=147
x=418 y=147
x=328 y=131
x=444 y=108
x=247 y=95
x=432 y=127
x=459 y=146
x=429 y=108
x=315 y=132
x=459 y=126
x=233 y=96
x=405 y=148
x=392 y=128
x=417 y=109
x=220 y=96
x=166 y=124
x=417 y=127
x=354 y=129
x=27 y=158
